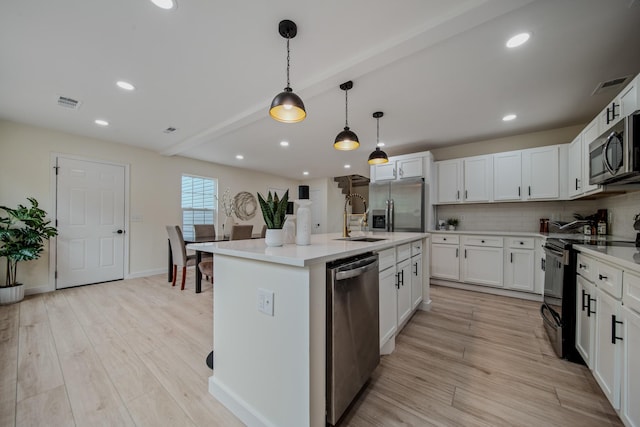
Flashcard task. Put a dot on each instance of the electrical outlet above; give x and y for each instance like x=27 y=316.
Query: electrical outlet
x=265 y=301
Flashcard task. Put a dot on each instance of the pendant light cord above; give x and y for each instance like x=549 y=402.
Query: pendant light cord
x=346 y=108
x=288 y=60
x=377 y=132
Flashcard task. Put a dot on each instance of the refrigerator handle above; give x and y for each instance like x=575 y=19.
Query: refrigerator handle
x=390 y=227
x=386 y=215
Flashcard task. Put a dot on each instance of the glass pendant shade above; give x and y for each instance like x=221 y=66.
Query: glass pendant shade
x=287 y=107
x=378 y=157
x=346 y=140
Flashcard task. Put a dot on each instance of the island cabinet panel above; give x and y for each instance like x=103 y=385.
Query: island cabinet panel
x=608 y=350
x=404 y=291
x=416 y=274
x=585 y=320
x=630 y=409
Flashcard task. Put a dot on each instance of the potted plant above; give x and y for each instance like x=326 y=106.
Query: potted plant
x=23 y=231
x=452 y=223
x=274 y=211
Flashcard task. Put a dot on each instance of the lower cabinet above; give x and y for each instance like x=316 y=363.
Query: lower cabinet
x=630 y=409
x=518 y=264
x=482 y=260
x=608 y=346
x=416 y=280
x=585 y=319
x=388 y=305
x=403 y=284
x=445 y=261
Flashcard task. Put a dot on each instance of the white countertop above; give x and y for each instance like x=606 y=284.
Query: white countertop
x=323 y=248
x=627 y=257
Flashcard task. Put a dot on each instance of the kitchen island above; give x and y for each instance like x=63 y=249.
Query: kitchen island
x=269 y=369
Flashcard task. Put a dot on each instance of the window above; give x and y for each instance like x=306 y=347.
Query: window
x=198 y=203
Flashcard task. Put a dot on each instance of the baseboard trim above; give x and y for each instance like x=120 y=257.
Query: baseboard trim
x=487 y=290
x=237 y=406
x=425 y=305
x=146 y=273
x=38 y=290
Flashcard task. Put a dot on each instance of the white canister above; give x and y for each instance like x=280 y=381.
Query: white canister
x=289 y=229
x=303 y=222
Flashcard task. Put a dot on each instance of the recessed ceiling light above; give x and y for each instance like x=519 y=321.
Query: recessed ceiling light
x=165 y=4
x=239 y=157
x=509 y=117
x=284 y=143
x=518 y=39
x=380 y=144
x=125 y=85
x=347 y=166
x=101 y=122
x=305 y=173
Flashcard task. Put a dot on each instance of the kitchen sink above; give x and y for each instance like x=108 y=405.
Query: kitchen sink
x=362 y=239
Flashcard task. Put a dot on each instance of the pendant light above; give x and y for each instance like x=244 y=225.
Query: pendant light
x=287 y=107
x=346 y=140
x=378 y=156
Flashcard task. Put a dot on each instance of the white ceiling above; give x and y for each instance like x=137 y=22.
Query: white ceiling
x=439 y=70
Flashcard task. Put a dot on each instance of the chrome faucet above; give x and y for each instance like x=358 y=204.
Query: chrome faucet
x=345 y=229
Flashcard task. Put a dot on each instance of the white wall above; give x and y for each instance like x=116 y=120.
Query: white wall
x=154 y=189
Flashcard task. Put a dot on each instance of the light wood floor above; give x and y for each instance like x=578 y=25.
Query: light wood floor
x=133 y=353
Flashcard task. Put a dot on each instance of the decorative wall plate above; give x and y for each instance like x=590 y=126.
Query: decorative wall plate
x=245 y=205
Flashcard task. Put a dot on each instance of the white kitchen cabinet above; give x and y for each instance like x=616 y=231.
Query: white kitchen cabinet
x=384 y=172
x=585 y=319
x=630 y=395
x=625 y=103
x=388 y=305
x=478 y=178
x=403 y=273
x=629 y=97
x=445 y=261
x=416 y=274
x=541 y=259
x=482 y=260
x=541 y=173
x=412 y=167
x=574 y=167
x=507 y=176
x=589 y=134
x=449 y=181
x=607 y=364
x=519 y=264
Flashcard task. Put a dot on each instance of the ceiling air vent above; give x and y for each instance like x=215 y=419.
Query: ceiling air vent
x=66 y=102
x=610 y=84
x=170 y=130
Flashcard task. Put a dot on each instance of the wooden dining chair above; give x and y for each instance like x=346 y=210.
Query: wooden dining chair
x=263 y=233
x=241 y=232
x=179 y=253
x=204 y=231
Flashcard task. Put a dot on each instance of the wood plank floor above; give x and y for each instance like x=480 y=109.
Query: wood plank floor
x=132 y=353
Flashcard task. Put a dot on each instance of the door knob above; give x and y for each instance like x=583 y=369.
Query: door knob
x=118 y=232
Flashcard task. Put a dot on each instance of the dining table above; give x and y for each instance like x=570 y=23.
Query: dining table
x=198 y=257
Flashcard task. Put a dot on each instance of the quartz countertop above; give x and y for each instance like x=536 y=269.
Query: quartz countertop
x=323 y=247
x=627 y=257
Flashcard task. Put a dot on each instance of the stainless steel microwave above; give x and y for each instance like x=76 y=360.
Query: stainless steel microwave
x=615 y=156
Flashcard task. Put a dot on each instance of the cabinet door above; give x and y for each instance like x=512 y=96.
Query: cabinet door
x=482 y=265
x=585 y=317
x=404 y=290
x=478 y=178
x=589 y=134
x=410 y=168
x=507 y=176
x=630 y=410
x=385 y=172
x=541 y=173
x=519 y=270
x=607 y=361
x=629 y=98
x=416 y=280
x=388 y=305
x=575 y=167
x=449 y=173
x=610 y=115
x=445 y=262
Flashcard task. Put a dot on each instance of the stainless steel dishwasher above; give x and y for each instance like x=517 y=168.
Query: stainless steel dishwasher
x=353 y=332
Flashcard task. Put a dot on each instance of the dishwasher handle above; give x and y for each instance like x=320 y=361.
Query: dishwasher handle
x=356 y=268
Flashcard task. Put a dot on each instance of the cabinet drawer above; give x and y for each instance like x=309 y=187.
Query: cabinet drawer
x=416 y=247
x=521 y=242
x=386 y=259
x=631 y=289
x=403 y=252
x=489 y=241
x=609 y=279
x=452 y=239
x=585 y=267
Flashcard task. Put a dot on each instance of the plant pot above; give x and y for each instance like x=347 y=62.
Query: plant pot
x=452 y=227
x=11 y=294
x=274 y=237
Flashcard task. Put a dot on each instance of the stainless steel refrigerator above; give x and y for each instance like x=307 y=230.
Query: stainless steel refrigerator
x=398 y=205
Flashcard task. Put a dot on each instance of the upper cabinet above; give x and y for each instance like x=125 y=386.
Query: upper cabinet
x=465 y=180
x=541 y=173
x=622 y=105
x=449 y=178
x=507 y=176
x=578 y=162
x=402 y=167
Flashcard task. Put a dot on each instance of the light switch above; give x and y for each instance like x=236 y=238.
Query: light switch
x=265 y=301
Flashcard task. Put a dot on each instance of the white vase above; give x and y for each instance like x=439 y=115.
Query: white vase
x=226 y=226
x=274 y=237
x=289 y=229
x=11 y=294
x=303 y=220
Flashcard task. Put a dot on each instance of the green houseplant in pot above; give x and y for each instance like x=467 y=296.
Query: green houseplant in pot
x=274 y=211
x=452 y=223
x=23 y=232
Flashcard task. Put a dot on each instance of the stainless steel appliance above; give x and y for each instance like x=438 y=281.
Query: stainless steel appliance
x=397 y=205
x=614 y=157
x=353 y=333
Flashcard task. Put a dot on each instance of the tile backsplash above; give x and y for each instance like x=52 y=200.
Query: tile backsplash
x=525 y=216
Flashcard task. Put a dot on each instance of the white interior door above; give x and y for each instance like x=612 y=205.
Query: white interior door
x=91 y=220
x=317 y=223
